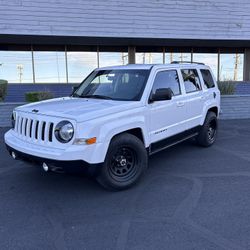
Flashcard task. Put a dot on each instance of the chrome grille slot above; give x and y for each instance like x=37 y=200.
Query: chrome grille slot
x=21 y=125
x=31 y=126
x=46 y=132
x=36 y=129
x=51 y=132
x=26 y=127
x=43 y=131
x=16 y=125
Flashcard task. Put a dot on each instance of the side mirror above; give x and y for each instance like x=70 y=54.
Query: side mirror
x=74 y=88
x=163 y=94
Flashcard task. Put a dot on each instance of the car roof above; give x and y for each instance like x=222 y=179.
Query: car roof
x=155 y=66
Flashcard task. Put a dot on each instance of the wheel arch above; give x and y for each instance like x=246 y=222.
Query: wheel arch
x=137 y=132
x=212 y=108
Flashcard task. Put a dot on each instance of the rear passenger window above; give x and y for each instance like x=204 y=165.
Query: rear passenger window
x=167 y=79
x=191 y=80
x=208 y=79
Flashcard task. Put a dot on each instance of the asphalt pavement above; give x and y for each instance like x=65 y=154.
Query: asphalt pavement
x=190 y=198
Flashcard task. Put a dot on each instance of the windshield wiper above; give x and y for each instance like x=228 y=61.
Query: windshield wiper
x=96 y=96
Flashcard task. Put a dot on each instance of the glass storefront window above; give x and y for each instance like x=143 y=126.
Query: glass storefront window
x=231 y=67
x=16 y=66
x=149 y=58
x=80 y=65
x=170 y=57
x=209 y=59
x=50 y=67
x=112 y=58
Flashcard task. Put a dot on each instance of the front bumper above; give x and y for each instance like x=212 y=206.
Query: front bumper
x=91 y=154
x=50 y=162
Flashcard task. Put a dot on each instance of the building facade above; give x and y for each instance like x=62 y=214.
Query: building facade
x=54 y=41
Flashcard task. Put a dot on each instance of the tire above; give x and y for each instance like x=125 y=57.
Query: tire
x=208 y=132
x=125 y=163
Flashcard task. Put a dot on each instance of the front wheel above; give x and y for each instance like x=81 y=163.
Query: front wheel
x=208 y=132
x=125 y=163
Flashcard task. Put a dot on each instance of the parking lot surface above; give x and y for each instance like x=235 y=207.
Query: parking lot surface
x=190 y=198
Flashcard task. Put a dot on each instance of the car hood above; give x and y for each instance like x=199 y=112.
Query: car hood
x=79 y=109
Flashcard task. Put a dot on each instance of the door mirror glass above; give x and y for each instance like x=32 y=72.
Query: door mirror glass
x=162 y=94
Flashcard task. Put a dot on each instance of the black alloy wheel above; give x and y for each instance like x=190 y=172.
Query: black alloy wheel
x=125 y=162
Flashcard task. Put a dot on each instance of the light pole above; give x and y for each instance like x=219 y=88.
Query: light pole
x=20 y=72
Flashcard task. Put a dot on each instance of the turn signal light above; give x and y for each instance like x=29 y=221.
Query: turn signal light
x=91 y=141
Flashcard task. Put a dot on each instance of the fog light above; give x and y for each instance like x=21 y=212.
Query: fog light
x=45 y=167
x=13 y=154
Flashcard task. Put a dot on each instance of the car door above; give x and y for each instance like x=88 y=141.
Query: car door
x=211 y=93
x=166 y=117
x=194 y=97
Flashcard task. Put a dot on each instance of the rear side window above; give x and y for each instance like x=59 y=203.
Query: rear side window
x=167 y=79
x=191 y=80
x=208 y=79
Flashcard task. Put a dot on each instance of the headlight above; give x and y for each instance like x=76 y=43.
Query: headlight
x=13 y=119
x=64 y=131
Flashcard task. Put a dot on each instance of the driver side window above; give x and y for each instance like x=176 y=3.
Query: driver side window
x=167 y=79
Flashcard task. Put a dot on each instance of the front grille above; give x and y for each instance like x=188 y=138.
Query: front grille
x=34 y=129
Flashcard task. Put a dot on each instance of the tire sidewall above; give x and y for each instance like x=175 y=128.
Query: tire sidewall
x=129 y=141
x=203 y=137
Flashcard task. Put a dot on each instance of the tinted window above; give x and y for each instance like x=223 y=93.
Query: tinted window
x=207 y=77
x=191 y=80
x=167 y=79
x=126 y=85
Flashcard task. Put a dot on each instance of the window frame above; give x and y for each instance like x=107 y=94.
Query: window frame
x=97 y=71
x=199 y=77
x=164 y=70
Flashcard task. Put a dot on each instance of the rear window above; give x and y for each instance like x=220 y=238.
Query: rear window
x=191 y=80
x=208 y=79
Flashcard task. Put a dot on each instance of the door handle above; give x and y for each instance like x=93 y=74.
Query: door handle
x=180 y=104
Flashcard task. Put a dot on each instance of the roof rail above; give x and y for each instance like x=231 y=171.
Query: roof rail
x=179 y=62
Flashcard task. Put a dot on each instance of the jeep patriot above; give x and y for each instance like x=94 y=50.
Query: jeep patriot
x=116 y=118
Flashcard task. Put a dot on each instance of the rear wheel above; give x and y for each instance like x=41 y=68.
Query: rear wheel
x=125 y=162
x=208 y=132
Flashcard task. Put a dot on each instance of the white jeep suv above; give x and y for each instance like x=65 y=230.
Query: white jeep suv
x=116 y=118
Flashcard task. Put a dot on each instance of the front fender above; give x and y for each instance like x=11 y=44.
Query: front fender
x=109 y=130
x=106 y=128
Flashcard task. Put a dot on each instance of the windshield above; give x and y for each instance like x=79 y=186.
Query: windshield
x=125 y=85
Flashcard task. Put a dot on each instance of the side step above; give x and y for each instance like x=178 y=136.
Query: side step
x=173 y=140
